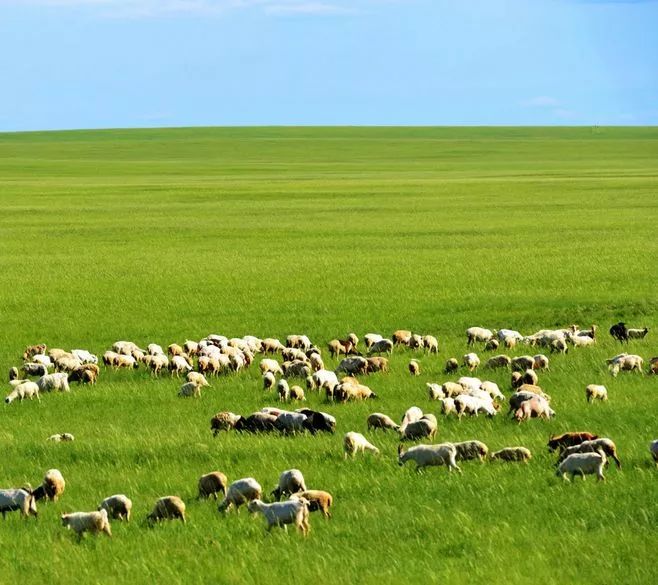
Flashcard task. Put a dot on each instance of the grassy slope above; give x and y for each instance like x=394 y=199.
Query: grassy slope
x=164 y=235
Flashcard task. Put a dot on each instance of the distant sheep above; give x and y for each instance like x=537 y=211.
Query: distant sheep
x=467 y=450
x=499 y=361
x=118 y=507
x=81 y=522
x=318 y=500
x=190 y=389
x=425 y=427
x=512 y=454
x=471 y=361
x=283 y=390
x=448 y=406
x=54 y=382
x=168 y=508
x=452 y=365
x=269 y=365
x=414 y=368
x=430 y=455
x=18 y=499
x=401 y=337
x=212 y=484
x=431 y=344
x=377 y=420
x=354 y=443
x=596 y=392
x=381 y=346
x=294 y=511
x=61 y=438
x=291 y=481
x=435 y=391
x=541 y=362
x=480 y=334
x=197 y=378
x=223 y=421
x=240 y=492
x=637 y=333
x=52 y=487
x=604 y=445
x=21 y=391
x=370 y=339
x=565 y=440
x=582 y=464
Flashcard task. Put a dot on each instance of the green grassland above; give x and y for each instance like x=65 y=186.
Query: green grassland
x=167 y=235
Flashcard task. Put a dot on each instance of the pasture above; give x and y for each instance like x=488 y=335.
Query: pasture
x=167 y=235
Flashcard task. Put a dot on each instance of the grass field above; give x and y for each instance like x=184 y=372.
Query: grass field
x=167 y=235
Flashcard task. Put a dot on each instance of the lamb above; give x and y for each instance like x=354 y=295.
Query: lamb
x=582 y=463
x=381 y=346
x=110 y=358
x=568 y=439
x=81 y=522
x=48 y=361
x=401 y=337
x=354 y=443
x=509 y=342
x=596 y=392
x=297 y=393
x=653 y=365
x=223 y=421
x=499 y=361
x=427 y=455
x=448 y=406
x=603 y=445
x=318 y=500
x=435 y=391
x=637 y=333
x=541 y=362
x=377 y=364
x=167 y=508
x=270 y=365
x=54 y=382
x=491 y=345
x=283 y=390
x=291 y=482
x=197 y=378
x=474 y=334
x=371 y=338
x=467 y=450
x=240 y=492
x=294 y=511
x=653 y=448
x=18 y=499
x=86 y=373
x=425 y=427
x=211 y=484
x=452 y=365
x=191 y=347
x=582 y=340
x=325 y=379
x=469 y=382
x=21 y=391
x=377 y=420
x=471 y=361
x=473 y=406
x=512 y=454
x=517 y=379
x=414 y=368
x=52 y=487
x=61 y=438
x=296 y=369
x=431 y=344
x=530 y=377
x=118 y=507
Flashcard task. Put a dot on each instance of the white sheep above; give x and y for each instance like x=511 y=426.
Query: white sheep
x=447 y=405
x=583 y=464
x=25 y=390
x=435 y=391
x=354 y=443
x=85 y=356
x=240 y=492
x=371 y=338
x=81 y=522
x=18 y=499
x=118 y=507
x=512 y=454
x=596 y=392
x=293 y=511
x=291 y=481
x=471 y=405
x=428 y=455
x=474 y=334
x=61 y=438
x=283 y=390
x=58 y=381
x=377 y=420
x=431 y=344
x=471 y=361
x=492 y=389
x=270 y=365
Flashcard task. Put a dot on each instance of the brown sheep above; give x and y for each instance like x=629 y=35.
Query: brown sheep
x=169 y=507
x=401 y=337
x=211 y=484
x=318 y=500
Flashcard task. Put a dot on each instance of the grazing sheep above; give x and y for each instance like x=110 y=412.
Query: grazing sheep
x=381 y=346
x=569 y=439
x=33 y=369
x=32 y=350
x=416 y=341
x=47 y=361
x=283 y=390
x=154 y=349
x=52 y=487
x=535 y=407
x=596 y=392
x=125 y=347
x=54 y=382
x=412 y=414
x=118 y=507
x=426 y=426
x=292 y=422
x=24 y=390
x=559 y=346
x=13 y=373
x=492 y=389
x=491 y=345
x=530 y=377
x=240 y=492
x=583 y=464
x=298 y=341
x=448 y=406
x=541 y=362
x=452 y=389
x=452 y=365
x=470 y=382
x=269 y=365
x=625 y=362
x=509 y=342
x=471 y=361
x=61 y=438
x=197 y=378
x=297 y=393
x=653 y=447
x=435 y=391
x=85 y=374
x=223 y=421
x=637 y=333
x=499 y=361
x=354 y=443
x=603 y=445
x=257 y=422
x=352 y=391
x=85 y=356
x=179 y=365
x=619 y=331
x=318 y=500
x=377 y=420
x=316 y=362
x=653 y=365
x=427 y=455
x=414 y=368
x=211 y=484
x=268 y=381
x=157 y=362
x=467 y=450
x=317 y=421
x=81 y=522
x=522 y=363
x=401 y=337
x=371 y=338
x=474 y=334
x=353 y=365
x=473 y=406
x=377 y=364
x=168 y=508
x=517 y=380
x=191 y=347
x=431 y=344
x=293 y=511
x=512 y=454
x=271 y=345
x=18 y=499
x=291 y=481
x=174 y=349
x=582 y=340
x=190 y=389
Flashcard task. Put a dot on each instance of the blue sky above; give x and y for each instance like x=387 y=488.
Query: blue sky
x=137 y=63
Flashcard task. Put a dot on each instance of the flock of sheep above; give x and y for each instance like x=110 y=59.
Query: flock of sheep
x=580 y=453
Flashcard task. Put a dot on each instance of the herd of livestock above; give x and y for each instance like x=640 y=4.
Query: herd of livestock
x=298 y=359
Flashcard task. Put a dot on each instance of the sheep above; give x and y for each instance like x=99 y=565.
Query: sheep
x=471 y=362
x=354 y=443
x=559 y=346
x=317 y=421
x=296 y=369
x=491 y=345
x=270 y=365
x=58 y=381
x=297 y=393
x=596 y=392
x=81 y=522
x=317 y=499
x=291 y=481
x=167 y=508
x=625 y=362
x=412 y=414
x=619 y=331
x=34 y=369
x=31 y=350
x=541 y=362
x=178 y=364
x=509 y=342
x=110 y=357
x=435 y=391
x=371 y=338
x=582 y=340
x=298 y=341
x=582 y=463
x=467 y=450
x=293 y=511
x=452 y=365
x=174 y=349
x=492 y=389
x=190 y=389
x=522 y=363
x=452 y=389
x=118 y=507
x=154 y=349
x=240 y=492
x=431 y=344
x=653 y=365
x=126 y=361
x=47 y=360
x=191 y=347
x=512 y=454
x=157 y=362
x=414 y=368
x=416 y=341
x=197 y=378
x=61 y=438
x=85 y=356
x=352 y=391
x=425 y=427
x=377 y=364
x=381 y=346
x=292 y=422
x=427 y=455
x=324 y=379
x=535 y=407
x=473 y=406
x=125 y=347
x=13 y=373
x=530 y=377
x=401 y=337
x=469 y=382
x=653 y=448
x=637 y=333
x=283 y=390
x=447 y=406
x=377 y=420
x=271 y=345
x=86 y=373
x=517 y=379
x=223 y=421
x=52 y=487
x=603 y=445
x=268 y=381
x=568 y=439
x=499 y=361
x=316 y=362
x=21 y=391
x=257 y=422
x=290 y=354
x=474 y=334
x=211 y=484
x=18 y=499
